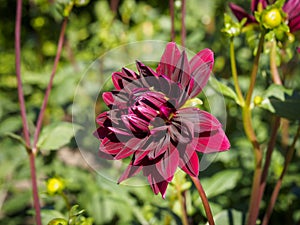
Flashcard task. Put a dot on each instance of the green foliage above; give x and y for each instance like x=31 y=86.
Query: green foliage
x=56 y=135
x=92 y=31
x=230 y=217
x=282 y=101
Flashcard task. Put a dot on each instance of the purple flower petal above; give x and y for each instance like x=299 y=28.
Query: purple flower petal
x=201 y=67
x=240 y=13
x=168 y=164
x=214 y=142
x=292 y=8
x=294 y=24
x=254 y=4
x=135 y=124
x=158 y=186
x=168 y=60
x=190 y=164
x=130 y=171
x=203 y=121
x=181 y=72
x=127 y=77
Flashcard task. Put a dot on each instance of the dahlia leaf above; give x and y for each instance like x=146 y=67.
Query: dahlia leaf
x=56 y=135
x=229 y=217
x=220 y=182
x=282 y=101
x=224 y=89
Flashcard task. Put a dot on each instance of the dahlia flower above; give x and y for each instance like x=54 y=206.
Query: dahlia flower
x=150 y=119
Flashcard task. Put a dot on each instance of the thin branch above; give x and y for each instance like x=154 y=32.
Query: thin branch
x=255 y=68
x=35 y=189
x=172 y=14
x=273 y=66
x=204 y=199
x=183 y=28
x=181 y=199
x=49 y=87
x=235 y=74
x=271 y=146
x=249 y=130
x=18 y=72
x=276 y=190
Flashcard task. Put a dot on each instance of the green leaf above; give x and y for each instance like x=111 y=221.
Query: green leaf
x=223 y=89
x=57 y=135
x=230 y=217
x=282 y=101
x=220 y=182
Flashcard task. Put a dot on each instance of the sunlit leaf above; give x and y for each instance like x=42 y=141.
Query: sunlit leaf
x=282 y=101
x=223 y=89
x=220 y=182
x=57 y=135
x=230 y=217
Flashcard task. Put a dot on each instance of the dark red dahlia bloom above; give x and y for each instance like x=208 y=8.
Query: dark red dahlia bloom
x=146 y=119
x=290 y=7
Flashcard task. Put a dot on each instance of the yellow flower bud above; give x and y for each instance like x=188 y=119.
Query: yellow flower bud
x=272 y=18
x=257 y=100
x=55 y=185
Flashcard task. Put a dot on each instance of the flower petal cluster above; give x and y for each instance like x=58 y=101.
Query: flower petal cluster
x=148 y=122
x=290 y=7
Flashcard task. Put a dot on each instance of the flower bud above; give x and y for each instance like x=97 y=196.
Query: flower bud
x=58 y=221
x=272 y=18
x=257 y=100
x=55 y=186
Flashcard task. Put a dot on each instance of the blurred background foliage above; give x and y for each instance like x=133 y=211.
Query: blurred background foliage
x=93 y=30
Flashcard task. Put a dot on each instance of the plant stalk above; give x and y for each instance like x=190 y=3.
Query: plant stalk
x=204 y=199
x=172 y=14
x=271 y=146
x=181 y=199
x=26 y=133
x=18 y=72
x=183 y=28
x=273 y=66
x=49 y=87
x=235 y=74
x=276 y=190
x=250 y=133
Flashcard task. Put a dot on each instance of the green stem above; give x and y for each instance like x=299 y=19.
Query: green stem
x=63 y=195
x=255 y=69
x=183 y=29
x=172 y=14
x=273 y=66
x=181 y=199
x=235 y=74
x=276 y=190
x=250 y=133
x=204 y=199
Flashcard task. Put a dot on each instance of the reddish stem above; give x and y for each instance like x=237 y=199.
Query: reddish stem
x=36 y=201
x=204 y=199
x=35 y=191
x=276 y=190
x=270 y=149
x=49 y=87
x=183 y=29
x=172 y=14
x=18 y=71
